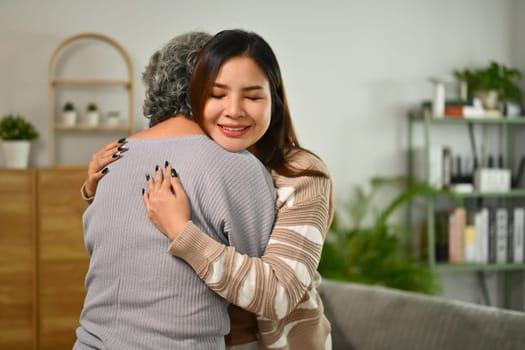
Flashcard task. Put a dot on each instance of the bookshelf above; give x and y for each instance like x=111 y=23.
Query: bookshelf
x=427 y=129
x=84 y=87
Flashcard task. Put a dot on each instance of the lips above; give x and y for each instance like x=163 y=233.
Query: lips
x=234 y=130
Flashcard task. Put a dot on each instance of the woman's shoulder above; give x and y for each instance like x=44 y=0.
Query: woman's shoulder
x=304 y=159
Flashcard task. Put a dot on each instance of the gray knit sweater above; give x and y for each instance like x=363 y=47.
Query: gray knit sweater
x=138 y=295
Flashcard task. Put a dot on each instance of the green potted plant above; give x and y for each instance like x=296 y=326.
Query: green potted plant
x=69 y=114
x=362 y=246
x=16 y=133
x=494 y=83
x=92 y=114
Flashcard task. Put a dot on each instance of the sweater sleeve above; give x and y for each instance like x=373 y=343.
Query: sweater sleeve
x=270 y=286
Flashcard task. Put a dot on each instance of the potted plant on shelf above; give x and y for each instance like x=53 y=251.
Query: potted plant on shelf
x=69 y=114
x=92 y=114
x=113 y=118
x=16 y=133
x=363 y=247
x=494 y=84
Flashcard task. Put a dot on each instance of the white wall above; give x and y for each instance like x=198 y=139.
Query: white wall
x=352 y=68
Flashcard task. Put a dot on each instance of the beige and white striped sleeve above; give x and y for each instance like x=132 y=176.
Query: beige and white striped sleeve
x=270 y=286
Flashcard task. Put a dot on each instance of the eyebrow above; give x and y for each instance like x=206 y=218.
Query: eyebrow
x=247 y=88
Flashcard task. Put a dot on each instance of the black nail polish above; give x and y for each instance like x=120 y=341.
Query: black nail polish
x=116 y=155
x=156 y=167
x=122 y=140
x=105 y=170
x=173 y=173
x=147 y=177
x=142 y=191
x=166 y=164
x=123 y=148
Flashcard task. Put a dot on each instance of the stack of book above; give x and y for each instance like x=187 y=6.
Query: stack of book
x=491 y=235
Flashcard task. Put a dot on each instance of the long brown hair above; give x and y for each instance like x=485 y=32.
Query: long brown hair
x=280 y=138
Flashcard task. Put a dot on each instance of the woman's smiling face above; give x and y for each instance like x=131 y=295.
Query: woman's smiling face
x=238 y=111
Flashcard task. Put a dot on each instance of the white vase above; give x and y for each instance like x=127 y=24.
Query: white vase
x=69 y=118
x=16 y=153
x=113 y=118
x=92 y=118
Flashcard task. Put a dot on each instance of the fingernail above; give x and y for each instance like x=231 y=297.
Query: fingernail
x=116 y=155
x=156 y=167
x=122 y=140
x=147 y=177
x=166 y=164
x=142 y=191
x=123 y=148
x=173 y=173
x=105 y=170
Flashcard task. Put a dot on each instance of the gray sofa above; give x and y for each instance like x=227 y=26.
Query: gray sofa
x=374 y=318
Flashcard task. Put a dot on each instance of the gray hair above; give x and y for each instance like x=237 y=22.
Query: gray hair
x=167 y=77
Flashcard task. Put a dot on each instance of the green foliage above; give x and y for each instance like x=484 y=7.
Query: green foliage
x=15 y=127
x=68 y=107
x=379 y=252
x=92 y=107
x=495 y=76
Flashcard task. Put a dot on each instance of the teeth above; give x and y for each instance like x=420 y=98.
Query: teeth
x=233 y=129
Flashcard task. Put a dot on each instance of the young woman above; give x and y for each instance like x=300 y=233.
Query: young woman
x=238 y=98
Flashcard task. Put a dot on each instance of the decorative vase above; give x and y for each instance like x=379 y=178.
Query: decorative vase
x=92 y=118
x=69 y=118
x=16 y=153
x=113 y=118
x=489 y=98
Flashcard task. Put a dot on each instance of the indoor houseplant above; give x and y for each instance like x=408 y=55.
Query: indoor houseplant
x=16 y=133
x=493 y=83
x=69 y=114
x=363 y=246
x=92 y=114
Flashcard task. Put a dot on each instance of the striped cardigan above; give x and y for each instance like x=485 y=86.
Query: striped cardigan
x=280 y=286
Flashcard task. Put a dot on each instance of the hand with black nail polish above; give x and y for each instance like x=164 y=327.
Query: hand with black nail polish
x=167 y=203
x=99 y=166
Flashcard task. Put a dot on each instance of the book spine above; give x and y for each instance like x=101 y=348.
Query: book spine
x=510 y=237
x=518 y=235
x=482 y=228
x=471 y=255
x=501 y=235
x=492 y=235
x=457 y=223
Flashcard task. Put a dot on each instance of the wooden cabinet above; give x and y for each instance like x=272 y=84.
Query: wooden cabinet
x=43 y=258
x=62 y=257
x=17 y=259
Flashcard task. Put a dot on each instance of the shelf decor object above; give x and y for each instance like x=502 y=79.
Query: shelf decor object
x=16 y=134
x=69 y=114
x=92 y=114
x=59 y=127
x=489 y=237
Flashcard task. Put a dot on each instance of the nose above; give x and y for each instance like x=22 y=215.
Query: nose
x=235 y=108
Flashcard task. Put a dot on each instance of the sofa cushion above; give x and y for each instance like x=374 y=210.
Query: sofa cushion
x=367 y=317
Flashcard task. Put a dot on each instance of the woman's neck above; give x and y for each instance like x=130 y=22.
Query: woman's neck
x=175 y=126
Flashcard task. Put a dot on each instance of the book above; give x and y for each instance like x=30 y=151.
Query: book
x=441 y=222
x=456 y=235
x=482 y=229
x=501 y=235
x=471 y=254
x=491 y=237
x=518 y=223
